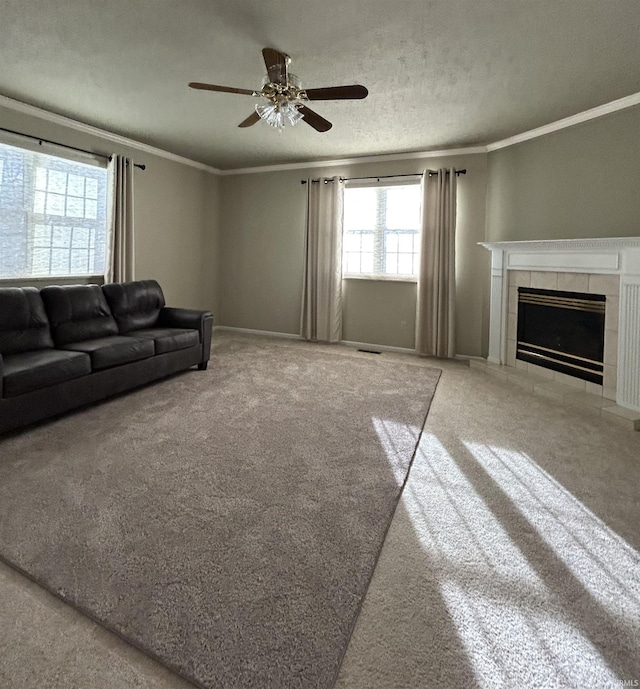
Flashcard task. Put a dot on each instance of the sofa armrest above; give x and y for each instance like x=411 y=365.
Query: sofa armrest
x=202 y=321
x=181 y=318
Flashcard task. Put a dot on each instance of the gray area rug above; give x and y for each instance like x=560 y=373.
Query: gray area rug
x=227 y=522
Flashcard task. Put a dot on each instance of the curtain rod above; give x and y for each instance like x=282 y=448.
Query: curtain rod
x=413 y=174
x=379 y=177
x=41 y=141
x=326 y=180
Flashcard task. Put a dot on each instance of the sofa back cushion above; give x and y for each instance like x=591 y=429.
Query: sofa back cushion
x=77 y=313
x=23 y=322
x=135 y=305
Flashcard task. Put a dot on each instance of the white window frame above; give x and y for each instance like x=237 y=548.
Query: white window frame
x=52 y=157
x=381 y=232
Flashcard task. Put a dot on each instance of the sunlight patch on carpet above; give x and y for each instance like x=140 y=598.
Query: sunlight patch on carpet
x=605 y=565
x=525 y=571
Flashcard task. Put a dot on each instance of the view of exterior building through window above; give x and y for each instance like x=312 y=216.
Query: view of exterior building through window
x=381 y=234
x=53 y=215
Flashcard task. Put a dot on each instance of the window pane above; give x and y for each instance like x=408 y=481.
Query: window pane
x=75 y=207
x=59 y=261
x=79 y=262
x=391 y=264
x=381 y=230
x=405 y=264
x=367 y=241
x=55 y=204
x=92 y=188
x=353 y=263
x=403 y=207
x=80 y=237
x=357 y=246
x=352 y=241
x=42 y=235
x=405 y=242
x=392 y=241
x=75 y=185
x=91 y=209
x=38 y=201
x=41 y=178
x=40 y=261
x=57 y=182
x=60 y=237
x=41 y=191
x=359 y=209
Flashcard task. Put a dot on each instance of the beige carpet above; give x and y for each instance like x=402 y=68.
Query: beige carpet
x=227 y=522
x=513 y=557
x=537 y=588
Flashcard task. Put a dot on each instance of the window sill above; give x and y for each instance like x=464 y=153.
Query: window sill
x=55 y=279
x=382 y=278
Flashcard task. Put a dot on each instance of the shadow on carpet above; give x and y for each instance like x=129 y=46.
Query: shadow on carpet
x=228 y=521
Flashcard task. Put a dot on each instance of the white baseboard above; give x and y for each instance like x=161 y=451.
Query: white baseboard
x=468 y=357
x=251 y=331
x=377 y=347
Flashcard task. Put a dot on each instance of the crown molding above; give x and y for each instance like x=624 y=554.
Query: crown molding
x=356 y=161
x=42 y=114
x=606 y=109
x=593 y=113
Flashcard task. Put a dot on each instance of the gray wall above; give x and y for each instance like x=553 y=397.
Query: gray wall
x=262 y=245
x=176 y=214
x=234 y=244
x=583 y=181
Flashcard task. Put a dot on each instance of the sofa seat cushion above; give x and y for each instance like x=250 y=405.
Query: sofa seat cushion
x=29 y=371
x=169 y=339
x=106 y=352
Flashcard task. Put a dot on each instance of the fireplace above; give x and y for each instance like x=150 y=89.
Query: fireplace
x=562 y=331
x=609 y=266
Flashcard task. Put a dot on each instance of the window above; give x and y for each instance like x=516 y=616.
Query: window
x=53 y=215
x=381 y=235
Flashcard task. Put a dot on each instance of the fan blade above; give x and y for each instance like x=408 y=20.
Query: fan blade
x=337 y=93
x=223 y=89
x=277 y=65
x=313 y=119
x=251 y=120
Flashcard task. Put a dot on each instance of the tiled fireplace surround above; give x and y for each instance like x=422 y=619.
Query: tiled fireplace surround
x=596 y=266
x=590 y=283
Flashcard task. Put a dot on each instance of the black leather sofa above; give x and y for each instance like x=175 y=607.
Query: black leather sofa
x=65 y=346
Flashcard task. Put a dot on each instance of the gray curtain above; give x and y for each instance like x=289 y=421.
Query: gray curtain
x=120 y=256
x=435 y=318
x=321 y=318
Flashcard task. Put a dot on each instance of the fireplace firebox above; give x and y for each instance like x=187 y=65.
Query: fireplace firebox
x=562 y=331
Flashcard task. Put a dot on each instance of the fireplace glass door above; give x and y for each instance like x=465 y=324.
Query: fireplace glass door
x=562 y=331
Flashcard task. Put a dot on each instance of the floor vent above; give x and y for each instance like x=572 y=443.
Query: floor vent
x=369 y=351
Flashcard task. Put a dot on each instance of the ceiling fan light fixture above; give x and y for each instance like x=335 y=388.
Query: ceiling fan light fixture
x=277 y=114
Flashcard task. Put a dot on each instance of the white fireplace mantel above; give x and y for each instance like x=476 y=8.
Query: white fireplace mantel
x=610 y=256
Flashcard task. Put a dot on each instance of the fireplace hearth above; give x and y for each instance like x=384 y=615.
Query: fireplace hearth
x=562 y=331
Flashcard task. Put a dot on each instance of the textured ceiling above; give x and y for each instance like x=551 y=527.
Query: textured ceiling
x=440 y=73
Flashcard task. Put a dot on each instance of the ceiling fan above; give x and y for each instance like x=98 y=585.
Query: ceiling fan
x=285 y=96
